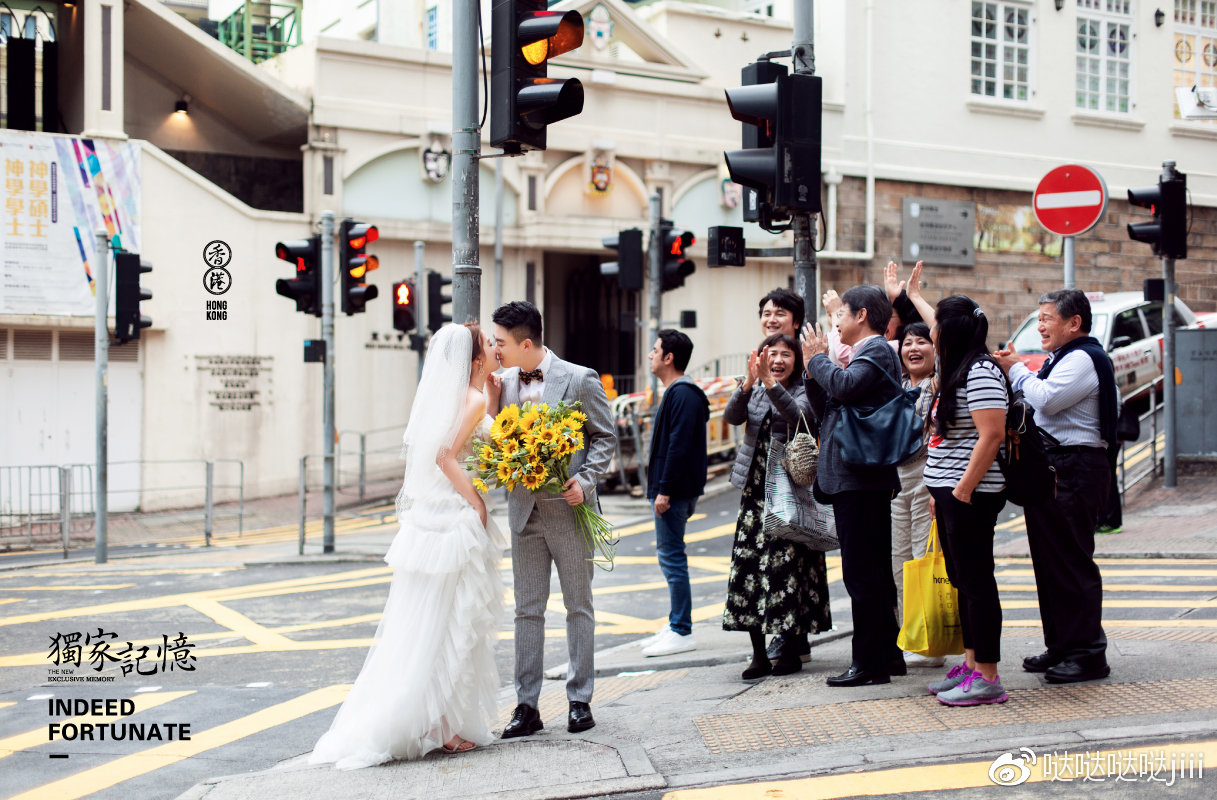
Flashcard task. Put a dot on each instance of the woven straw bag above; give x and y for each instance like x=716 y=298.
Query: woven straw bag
x=802 y=455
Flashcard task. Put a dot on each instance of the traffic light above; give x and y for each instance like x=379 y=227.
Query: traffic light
x=784 y=166
x=436 y=300
x=628 y=266
x=127 y=296
x=1167 y=201
x=305 y=288
x=675 y=267
x=355 y=263
x=524 y=36
x=754 y=136
x=405 y=307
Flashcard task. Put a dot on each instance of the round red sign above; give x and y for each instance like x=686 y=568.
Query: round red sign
x=1070 y=199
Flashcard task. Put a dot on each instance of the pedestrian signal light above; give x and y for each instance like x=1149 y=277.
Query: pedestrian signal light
x=304 y=288
x=436 y=317
x=523 y=99
x=404 y=307
x=676 y=266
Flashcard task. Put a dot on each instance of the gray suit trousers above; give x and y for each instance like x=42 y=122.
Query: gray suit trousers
x=550 y=537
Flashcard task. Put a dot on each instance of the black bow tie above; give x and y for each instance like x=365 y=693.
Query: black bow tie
x=528 y=377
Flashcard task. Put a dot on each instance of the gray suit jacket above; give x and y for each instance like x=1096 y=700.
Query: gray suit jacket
x=569 y=382
x=829 y=388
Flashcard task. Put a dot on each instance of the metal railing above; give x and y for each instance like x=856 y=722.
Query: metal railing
x=383 y=459
x=1132 y=454
x=723 y=366
x=41 y=503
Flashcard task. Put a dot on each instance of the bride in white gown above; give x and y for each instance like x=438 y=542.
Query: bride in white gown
x=430 y=679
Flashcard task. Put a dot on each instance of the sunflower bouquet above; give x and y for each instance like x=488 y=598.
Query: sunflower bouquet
x=531 y=446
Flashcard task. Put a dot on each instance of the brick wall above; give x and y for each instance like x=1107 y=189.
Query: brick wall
x=1007 y=285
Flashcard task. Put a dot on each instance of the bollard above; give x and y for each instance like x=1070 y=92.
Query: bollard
x=65 y=506
x=363 y=464
x=303 y=489
x=208 y=505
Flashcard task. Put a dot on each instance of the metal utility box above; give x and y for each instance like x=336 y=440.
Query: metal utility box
x=1196 y=357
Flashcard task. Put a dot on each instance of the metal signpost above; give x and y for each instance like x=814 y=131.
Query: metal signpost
x=1068 y=201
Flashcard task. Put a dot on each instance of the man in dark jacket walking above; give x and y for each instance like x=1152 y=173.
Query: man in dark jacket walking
x=860 y=496
x=676 y=477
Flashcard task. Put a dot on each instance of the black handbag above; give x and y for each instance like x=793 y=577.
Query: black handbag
x=1128 y=425
x=882 y=436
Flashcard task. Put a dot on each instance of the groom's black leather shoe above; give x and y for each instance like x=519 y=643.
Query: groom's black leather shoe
x=858 y=677
x=525 y=721
x=580 y=717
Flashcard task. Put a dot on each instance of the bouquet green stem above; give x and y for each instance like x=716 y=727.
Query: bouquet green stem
x=596 y=530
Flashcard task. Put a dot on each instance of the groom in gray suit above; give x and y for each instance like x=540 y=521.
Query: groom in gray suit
x=542 y=525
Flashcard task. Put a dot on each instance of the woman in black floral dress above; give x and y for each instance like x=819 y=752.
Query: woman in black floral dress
x=775 y=586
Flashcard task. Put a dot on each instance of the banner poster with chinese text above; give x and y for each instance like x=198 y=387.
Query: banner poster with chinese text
x=58 y=191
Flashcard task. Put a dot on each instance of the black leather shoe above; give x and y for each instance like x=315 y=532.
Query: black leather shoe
x=897 y=666
x=1043 y=662
x=525 y=721
x=857 y=677
x=1074 y=672
x=757 y=670
x=787 y=665
x=580 y=717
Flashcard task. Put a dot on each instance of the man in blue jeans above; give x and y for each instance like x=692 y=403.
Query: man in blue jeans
x=676 y=477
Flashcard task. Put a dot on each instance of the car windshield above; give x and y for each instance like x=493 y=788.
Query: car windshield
x=1027 y=340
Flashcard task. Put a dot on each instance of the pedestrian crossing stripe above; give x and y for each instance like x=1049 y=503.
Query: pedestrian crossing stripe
x=38 y=736
x=134 y=765
x=928 y=778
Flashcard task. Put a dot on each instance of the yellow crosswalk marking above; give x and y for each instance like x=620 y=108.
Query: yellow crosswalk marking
x=24 y=741
x=132 y=766
x=930 y=778
x=711 y=533
x=83 y=588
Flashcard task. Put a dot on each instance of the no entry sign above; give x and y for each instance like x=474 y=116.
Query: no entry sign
x=1070 y=199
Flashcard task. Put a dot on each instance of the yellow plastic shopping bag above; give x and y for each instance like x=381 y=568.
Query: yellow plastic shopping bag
x=931 y=605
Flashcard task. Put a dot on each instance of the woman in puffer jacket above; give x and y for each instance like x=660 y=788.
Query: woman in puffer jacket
x=775 y=586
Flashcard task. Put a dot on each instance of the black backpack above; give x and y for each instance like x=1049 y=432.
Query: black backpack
x=1023 y=457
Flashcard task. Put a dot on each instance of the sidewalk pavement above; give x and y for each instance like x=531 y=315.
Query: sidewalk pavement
x=687 y=720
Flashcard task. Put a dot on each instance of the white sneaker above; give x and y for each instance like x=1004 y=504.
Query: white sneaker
x=649 y=640
x=918 y=660
x=668 y=642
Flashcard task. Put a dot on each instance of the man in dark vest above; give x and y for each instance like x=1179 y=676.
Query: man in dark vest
x=1074 y=397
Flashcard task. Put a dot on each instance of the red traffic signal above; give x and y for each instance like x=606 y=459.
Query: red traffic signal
x=676 y=267
x=305 y=256
x=355 y=264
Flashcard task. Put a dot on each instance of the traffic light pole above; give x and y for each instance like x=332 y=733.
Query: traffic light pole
x=101 y=358
x=802 y=53
x=420 y=298
x=327 y=400
x=1168 y=373
x=466 y=150
x=655 y=283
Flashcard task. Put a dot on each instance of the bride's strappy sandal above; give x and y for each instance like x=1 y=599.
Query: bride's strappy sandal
x=458 y=746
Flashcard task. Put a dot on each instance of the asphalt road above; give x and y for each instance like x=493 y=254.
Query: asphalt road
x=265 y=636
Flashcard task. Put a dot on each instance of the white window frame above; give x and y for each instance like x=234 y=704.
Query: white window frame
x=431 y=28
x=1098 y=73
x=993 y=60
x=1195 y=29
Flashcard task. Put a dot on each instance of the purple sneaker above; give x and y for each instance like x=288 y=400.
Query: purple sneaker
x=975 y=691
x=956 y=676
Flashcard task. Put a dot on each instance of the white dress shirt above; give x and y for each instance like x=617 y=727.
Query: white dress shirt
x=1067 y=403
x=532 y=391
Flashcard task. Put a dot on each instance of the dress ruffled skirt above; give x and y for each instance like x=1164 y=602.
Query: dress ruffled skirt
x=431 y=673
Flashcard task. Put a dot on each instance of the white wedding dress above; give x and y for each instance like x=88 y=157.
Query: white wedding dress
x=431 y=673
